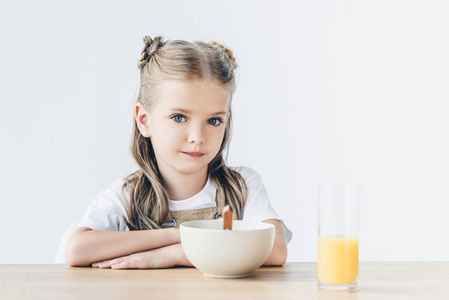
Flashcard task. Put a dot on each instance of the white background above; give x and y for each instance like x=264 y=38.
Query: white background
x=347 y=91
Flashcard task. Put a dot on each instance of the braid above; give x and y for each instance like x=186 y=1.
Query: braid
x=150 y=49
x=227 y=53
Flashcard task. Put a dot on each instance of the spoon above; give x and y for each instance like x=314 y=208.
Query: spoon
x=227 y=217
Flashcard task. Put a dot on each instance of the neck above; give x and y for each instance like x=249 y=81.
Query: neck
x=180 y=186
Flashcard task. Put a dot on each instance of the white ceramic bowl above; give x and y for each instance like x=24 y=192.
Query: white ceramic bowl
x=227 y=253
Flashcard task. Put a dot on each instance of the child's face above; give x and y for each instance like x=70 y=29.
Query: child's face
x=186 y=125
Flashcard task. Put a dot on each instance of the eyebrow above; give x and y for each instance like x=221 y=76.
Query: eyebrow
x=188 y=111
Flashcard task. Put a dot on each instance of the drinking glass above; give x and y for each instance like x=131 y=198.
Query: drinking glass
x=338 y=236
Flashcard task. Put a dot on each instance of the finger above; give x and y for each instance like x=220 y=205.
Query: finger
x=100 y=264
x=117 y=261
x=95 y=265
x=106 y=264
x=127 y=264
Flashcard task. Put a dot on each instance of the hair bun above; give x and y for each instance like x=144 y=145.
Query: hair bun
x=150 y=49
x=227 y=52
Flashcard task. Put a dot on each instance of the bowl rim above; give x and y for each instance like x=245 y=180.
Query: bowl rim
x=265 y=226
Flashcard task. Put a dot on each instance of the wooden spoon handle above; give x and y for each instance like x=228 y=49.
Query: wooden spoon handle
x=227 y=217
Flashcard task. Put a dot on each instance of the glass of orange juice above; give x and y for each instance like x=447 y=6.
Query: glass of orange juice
x=338 y=236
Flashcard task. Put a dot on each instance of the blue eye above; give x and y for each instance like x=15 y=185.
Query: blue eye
x=178 y=118
x=215 y=121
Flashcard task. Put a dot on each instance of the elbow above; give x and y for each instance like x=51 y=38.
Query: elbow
x=283 y=259
x=277 y=258
x=280 y=259
x=74 y=257
x=275 y=262
x=278 y=255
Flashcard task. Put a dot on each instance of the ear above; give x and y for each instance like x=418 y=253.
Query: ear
x=142 y=119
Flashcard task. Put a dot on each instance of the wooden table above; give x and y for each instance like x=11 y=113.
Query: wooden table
x=417 y=280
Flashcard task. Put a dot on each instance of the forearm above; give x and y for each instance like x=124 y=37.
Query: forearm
x=182 y=259
x=87 y=247
x=164 y=257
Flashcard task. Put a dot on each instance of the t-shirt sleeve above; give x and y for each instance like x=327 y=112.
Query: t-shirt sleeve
x=107 y=210
x=258 y=207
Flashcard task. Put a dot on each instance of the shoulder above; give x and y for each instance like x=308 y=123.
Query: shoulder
x=252 y=177
x=111 y=195
x=116 y=185
x=107 y=209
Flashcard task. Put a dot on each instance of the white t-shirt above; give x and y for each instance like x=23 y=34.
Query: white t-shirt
x=107 y=210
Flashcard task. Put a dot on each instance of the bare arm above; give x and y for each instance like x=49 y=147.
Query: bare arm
x=173 y=255
x=87 y=246
x=278 y=255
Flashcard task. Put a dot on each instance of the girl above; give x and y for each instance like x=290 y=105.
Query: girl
x=182 y=126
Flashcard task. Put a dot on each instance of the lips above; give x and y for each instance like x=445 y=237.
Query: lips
x=194 y=154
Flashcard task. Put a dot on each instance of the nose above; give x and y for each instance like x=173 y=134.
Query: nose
x=196 y=134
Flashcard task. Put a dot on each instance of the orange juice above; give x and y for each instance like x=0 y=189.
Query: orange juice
x=338 y=259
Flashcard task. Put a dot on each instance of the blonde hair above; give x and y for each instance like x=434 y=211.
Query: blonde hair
x=185 y=61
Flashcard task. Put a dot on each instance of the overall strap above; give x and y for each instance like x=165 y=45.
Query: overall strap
x=170 y=221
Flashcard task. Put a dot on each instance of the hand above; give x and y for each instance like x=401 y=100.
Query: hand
x=165 y=257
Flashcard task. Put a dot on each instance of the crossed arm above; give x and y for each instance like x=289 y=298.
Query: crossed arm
x=144 y=249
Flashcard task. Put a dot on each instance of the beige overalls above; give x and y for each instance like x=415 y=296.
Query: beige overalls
x=175 y=218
